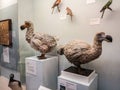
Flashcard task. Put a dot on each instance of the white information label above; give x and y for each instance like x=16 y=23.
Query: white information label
x=43 y=88
x=31 y=67
x=95 y=21
x=6 y=55
x=90 y=1
x=63 y=16
x=66 y=85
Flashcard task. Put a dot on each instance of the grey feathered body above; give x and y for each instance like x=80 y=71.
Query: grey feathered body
x=40 y=41
x=43 y=42
x=81 y=52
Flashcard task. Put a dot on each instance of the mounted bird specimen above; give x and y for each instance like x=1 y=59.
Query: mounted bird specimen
x=69 y=12
x=56 y=4
x=14 y=84
x=106 y=6
x=41 y=42
x=78 y=52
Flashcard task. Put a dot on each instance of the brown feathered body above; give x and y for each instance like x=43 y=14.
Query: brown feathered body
x=79 y=52
x=43 y=42
x=39 y=41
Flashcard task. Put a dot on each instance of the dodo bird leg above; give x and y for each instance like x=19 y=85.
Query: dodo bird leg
x=43 y=49
x=42 y=56
x=80 y=69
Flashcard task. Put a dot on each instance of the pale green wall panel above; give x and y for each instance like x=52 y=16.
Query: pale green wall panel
x=11 y=12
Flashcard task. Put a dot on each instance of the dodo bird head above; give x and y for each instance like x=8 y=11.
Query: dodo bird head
x=11 y=76
x=102 y=37
x=27 y=24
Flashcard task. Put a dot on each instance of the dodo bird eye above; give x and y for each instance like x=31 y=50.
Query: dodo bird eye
x=102 y=34
x=99 y=35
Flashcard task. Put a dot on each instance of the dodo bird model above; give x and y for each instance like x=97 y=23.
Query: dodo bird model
x=79 y=52
x=14 y=84
x=39 y=41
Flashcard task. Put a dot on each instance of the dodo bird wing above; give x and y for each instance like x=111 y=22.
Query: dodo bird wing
x=35 y=43
x=48 y=40
x=76 y=47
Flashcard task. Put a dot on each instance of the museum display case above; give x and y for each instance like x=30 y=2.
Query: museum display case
x=79 y=20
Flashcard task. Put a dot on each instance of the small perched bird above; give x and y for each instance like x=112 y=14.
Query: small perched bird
x=56 y=4
x=14 y=84
x=106 y=6
x=78 y=52
x=41 y=42
x=69 y=12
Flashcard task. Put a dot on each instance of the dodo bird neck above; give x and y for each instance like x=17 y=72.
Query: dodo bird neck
x=96 y=49
x=94 y=52
x=29 y=33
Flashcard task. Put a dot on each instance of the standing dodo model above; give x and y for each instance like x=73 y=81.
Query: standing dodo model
x=39 y=41
x=14 y=84
x=106 y=6
x=79 y=52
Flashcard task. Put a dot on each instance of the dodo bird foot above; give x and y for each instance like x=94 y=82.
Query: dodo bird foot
x=42 y=56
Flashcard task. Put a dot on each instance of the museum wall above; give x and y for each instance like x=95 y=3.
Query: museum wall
x=25 y=12
x=107 y=66
x=39 y=11
x=9 y=10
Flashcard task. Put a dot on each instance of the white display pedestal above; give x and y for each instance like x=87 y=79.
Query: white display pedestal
x=41 y=72
x=71 y=81
x=43 y=88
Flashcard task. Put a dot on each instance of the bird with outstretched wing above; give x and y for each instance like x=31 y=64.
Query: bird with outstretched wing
x=56 y=4
x=106 y=6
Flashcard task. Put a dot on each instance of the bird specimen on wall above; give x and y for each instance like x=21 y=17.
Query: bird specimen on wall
x=39 y=41
x=69 y=12
x=106 y=6
x=56 y=4
x=78 y=52
x=14 y=84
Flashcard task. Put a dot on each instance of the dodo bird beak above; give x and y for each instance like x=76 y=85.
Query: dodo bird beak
x=22 y=27
x=26 y=25
x=108 y=38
